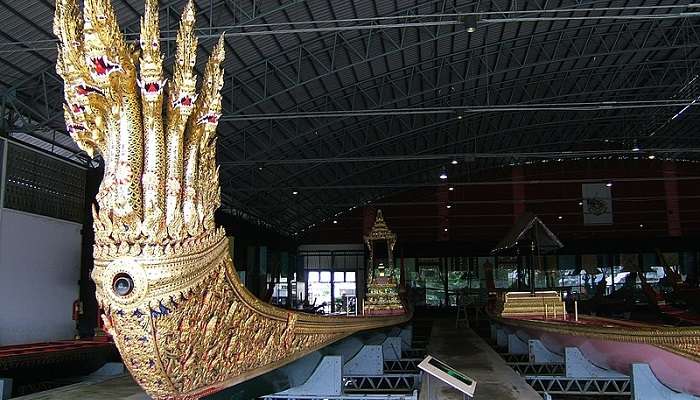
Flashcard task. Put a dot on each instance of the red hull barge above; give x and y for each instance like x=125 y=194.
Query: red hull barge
x=672 y=353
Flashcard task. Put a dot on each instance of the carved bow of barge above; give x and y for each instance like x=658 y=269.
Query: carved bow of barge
x=182 y=321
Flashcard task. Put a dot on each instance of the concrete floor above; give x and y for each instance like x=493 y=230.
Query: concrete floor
x=120 y=387
x=465 y=351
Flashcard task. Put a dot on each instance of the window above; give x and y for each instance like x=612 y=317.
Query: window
x=313 y=276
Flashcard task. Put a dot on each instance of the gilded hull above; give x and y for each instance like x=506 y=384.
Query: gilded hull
x=207 y=332
x=673 y=353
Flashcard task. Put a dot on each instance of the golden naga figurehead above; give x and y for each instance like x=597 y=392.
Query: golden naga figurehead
x=114 y=93
x=151 y=81
x=180 y=317
x=104 y=48
x=160 y=188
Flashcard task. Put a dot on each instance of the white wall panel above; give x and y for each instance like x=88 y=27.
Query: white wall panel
x=39 y=273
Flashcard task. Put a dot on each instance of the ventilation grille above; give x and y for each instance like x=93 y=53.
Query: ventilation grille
x=41 y=184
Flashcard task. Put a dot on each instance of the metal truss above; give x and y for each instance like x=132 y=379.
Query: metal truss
x=413 y=353
x=404 y=365
x=388 y=383
x=353 y=73
x=515 y=358
x=467 y=67
x=580 y=386
x=525 y=368
x=412 y=396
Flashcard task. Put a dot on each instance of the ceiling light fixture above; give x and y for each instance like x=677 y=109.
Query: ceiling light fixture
x=455 y=162
x=451 y=189
x=445 y=229
x=560 y=217
x=609 y=184
x=470 y=22
x=335 y=221
x=449 y=206
x=443 y=174
x=295 y=193
x=651 y=156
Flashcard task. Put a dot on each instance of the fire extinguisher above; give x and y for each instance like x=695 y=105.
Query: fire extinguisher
x=77 y=309
x=100 y=321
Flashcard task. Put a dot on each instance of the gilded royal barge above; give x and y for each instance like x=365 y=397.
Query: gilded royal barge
x=673 y=353
x=182 y=321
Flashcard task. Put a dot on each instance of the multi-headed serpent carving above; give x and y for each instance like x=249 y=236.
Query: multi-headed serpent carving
x=172 y=300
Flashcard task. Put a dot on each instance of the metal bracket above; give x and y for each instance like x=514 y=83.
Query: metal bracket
x=516 y=345
x=645 y=386
x=347 y=348
x=391 y=348
x=368 y=361
x=501 y=338
x=299 y=371
x=325 y=381
x=577 y=366
x=406 y=336
x=539 y=354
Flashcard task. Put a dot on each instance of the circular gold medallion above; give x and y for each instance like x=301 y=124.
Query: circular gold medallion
x=124 y=282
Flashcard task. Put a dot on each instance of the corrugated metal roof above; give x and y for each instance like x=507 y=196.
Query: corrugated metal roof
x=511 y=63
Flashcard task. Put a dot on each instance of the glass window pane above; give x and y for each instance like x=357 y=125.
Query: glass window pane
x=325 y=276
x=313 y=276
x=342 y=291
x=349 y=277
x=338 y=276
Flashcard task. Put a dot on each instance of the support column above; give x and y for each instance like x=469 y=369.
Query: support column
x=402 y=274
x=445 y=273
x=287 y=272
x=88 y=319
x=517 y=176
x=5 y=388
x=673 y=217
x=368 y=216
x=332 y=281
x=251 y=268
x=443 y=199
x=262 y=271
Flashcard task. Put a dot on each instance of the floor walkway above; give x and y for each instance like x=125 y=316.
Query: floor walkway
x=465 y=351
x=120 y=387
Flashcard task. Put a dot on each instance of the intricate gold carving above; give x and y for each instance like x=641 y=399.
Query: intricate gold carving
x=182 y=321
x=382 y=288
x=542 y=304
